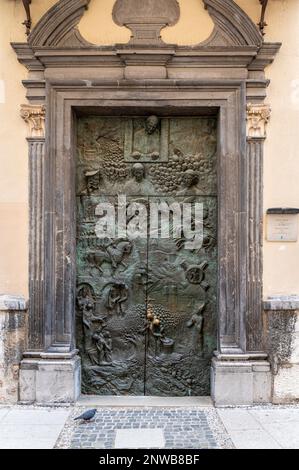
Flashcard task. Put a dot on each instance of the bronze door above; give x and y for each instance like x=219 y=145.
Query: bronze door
x=146 y=302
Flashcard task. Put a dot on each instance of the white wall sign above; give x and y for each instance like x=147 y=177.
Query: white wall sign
x=282 y=227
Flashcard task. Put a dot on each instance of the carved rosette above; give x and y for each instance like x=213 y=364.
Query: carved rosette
x=258 y=116
x=34 y=116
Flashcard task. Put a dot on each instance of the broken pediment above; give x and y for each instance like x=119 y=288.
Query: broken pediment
x=145 y=19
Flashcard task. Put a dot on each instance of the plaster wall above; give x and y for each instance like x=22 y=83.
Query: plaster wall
x=281 y=267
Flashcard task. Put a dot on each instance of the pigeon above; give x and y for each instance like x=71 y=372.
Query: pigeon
x=87 y=415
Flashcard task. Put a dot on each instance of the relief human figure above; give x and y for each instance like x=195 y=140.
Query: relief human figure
x=155 y=330
x=189 y=181
x=86 y=305
x=103 y=343
x=92 y=178
x=146 y=140
x=138 y=183
x=138 y=172
x=196 y=323
x=116 y=295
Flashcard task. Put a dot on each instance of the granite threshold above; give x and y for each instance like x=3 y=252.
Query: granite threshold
x=142 y=401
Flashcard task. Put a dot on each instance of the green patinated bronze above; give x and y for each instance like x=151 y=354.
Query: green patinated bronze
x=146 y=308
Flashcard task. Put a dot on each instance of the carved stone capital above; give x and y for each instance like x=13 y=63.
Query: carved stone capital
x=35 y=116
x=258 y=116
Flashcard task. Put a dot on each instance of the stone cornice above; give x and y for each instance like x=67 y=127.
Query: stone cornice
x=250 y=57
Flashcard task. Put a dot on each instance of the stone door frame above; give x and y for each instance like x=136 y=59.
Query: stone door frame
x=224 y=75
x=60 y=224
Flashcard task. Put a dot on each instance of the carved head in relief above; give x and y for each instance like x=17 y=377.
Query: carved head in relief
x=151 y=124
x=189 y=179
x=138 y=172
x=92 y=180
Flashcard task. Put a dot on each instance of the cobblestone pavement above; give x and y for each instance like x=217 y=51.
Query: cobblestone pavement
x=171 y=428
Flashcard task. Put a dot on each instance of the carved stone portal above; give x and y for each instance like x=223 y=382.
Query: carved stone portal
x=146 y=307
x=218 y=76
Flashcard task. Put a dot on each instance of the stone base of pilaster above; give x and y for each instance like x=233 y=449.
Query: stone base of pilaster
x=240 y=382
x=13 y=342
x=50 y=381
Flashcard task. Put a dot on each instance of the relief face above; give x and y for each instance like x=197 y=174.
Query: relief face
x=146 y=305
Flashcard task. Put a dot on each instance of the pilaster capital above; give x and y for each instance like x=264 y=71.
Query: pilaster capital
x=34 y=116
x=258 y=116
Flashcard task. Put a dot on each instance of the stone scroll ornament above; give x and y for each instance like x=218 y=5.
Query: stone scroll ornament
x=146 y=18
x=258 y=116
x=34 y=116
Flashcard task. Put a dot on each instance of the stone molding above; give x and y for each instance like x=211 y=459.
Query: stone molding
x=282 y=302
x=34 y=116
x=58 y=26
x=232 y=25
x=12 y=303
x=258 y=116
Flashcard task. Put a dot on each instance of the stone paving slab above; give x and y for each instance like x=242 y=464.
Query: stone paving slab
x=253 y=439
x=181 y=428
x=258 y=427
x=25 y=427
x=141 y=438
x=262 y=427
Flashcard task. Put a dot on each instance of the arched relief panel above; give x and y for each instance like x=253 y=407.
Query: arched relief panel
x=59 y=25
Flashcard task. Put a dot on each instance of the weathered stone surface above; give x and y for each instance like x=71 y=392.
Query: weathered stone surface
x=12 y=302
x=282 y=344
x=232 y=383
x=262 y=382
x=282 y=302
x=286 y=384
x=240 y=382
x=50 y=381
x=13 y=340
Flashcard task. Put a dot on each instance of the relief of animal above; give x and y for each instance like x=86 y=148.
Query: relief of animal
x=112 y=254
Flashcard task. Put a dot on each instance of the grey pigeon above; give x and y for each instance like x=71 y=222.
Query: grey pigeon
x=87 y=415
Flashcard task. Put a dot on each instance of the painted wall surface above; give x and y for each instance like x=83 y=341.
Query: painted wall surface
x=281 y=260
